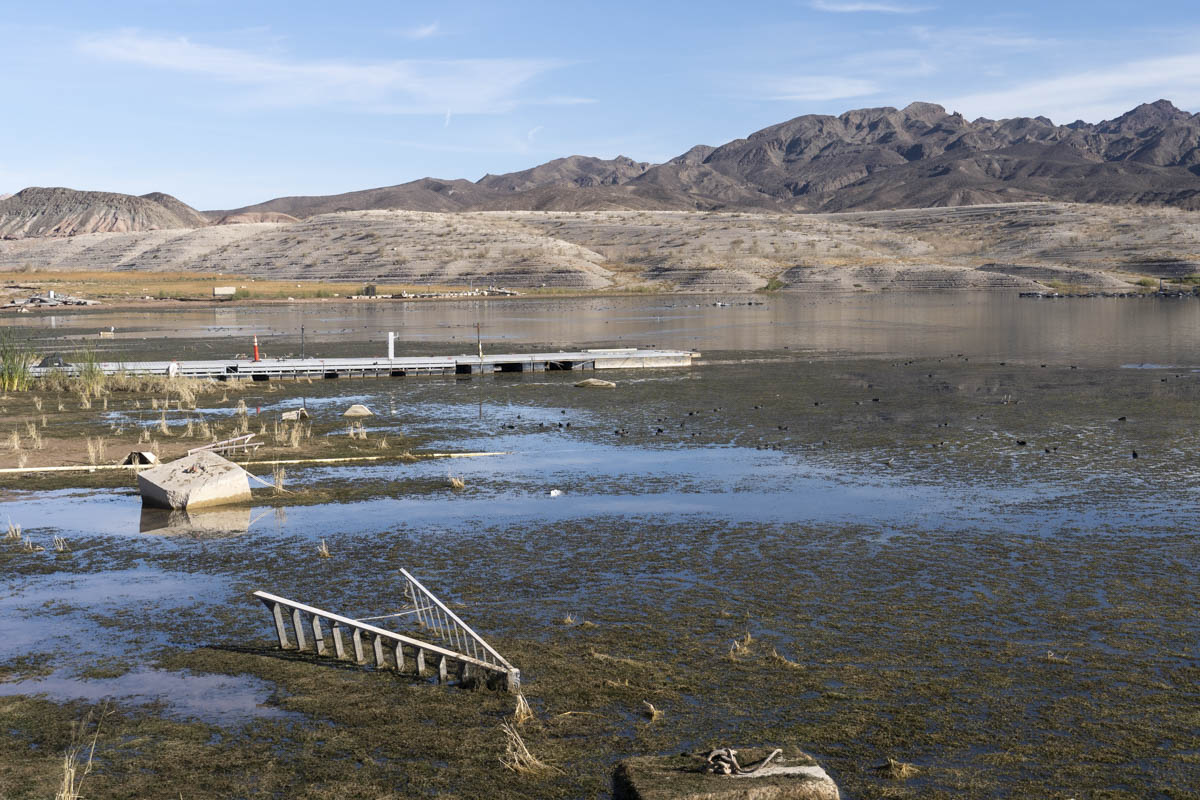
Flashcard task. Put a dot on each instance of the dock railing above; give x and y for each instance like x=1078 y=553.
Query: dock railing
x=391 y=650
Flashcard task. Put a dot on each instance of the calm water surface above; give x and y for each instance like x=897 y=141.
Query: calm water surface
x=977 y=324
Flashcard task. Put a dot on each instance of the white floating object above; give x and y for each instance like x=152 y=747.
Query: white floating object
x=595 y=383
x=556 y=492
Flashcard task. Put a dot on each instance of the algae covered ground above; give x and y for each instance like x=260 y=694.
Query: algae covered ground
x=952 y=562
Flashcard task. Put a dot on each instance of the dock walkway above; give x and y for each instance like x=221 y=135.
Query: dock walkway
x=281 y=368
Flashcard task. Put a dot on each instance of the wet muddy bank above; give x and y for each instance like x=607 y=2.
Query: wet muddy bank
x=953 y=562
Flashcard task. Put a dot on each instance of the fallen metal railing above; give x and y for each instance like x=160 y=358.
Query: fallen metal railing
x=233 y=445
x=391 y=650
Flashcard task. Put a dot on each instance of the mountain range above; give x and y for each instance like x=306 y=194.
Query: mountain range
x=868 y=159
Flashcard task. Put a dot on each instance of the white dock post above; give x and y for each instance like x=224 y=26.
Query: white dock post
x=441 y=669
x=399 y=656
x=358 y=648
x=420 y=661
x=391 y=345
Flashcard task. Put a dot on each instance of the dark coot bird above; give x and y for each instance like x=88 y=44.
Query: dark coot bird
x=1020 y=442
x=1120 y=419
x=1135 y=453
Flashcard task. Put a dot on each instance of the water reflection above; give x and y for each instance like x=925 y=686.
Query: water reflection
x=205 y=523
x=995 y=325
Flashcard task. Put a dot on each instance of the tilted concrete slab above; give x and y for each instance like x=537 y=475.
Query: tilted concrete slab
x=196 y=481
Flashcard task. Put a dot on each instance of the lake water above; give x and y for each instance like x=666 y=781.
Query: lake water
x=978 y=324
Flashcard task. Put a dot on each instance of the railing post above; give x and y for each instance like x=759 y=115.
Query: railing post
x=377 y=641
x=339 y=647
x=399 y=656
x=298 y=624
x=420 y=662
x=277 y=613
x=358 y=648
x=441 y=669
x=318 y=635
x=512 y=681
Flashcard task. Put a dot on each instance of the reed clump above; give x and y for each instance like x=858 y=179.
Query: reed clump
x=897 y=770
x=516 y=754
x=523 y=712
x=456 y=483
x=15 y=364
x=75 y=767
x=96 y=446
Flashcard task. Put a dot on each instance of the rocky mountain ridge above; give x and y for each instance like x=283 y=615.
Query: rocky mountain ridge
x=920 y=156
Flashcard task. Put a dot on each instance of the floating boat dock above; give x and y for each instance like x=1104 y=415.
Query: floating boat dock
x=282 y=368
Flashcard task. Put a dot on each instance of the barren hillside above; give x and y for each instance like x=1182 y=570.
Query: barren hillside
x=38 y=211
x=995 y=246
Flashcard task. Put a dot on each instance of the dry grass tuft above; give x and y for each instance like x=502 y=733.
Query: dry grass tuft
x=653 y=714
x=95 y=448
x=14 y=441
x=741 y=646
x=75 y=768
x=456 y=482
x=323 y=550
x=60 y=545
x=569 y=619
x=896 y=770
x=517 y=756
x=13 y=534
x=782 y=659
x=523 y=712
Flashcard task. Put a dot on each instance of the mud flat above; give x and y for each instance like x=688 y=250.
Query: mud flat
x=949 y=561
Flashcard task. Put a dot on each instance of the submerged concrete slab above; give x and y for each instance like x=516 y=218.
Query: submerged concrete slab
x=196 y=481
x=793 y=776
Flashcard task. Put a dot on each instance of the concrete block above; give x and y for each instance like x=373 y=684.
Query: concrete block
x=793 y=776
x=196 y=481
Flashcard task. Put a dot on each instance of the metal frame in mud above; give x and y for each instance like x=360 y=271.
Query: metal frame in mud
x=389 y=647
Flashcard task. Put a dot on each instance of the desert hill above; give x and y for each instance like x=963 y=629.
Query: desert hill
x=40 y=211
x=868 y=159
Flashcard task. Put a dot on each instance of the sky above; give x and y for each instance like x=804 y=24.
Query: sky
x=223 y=104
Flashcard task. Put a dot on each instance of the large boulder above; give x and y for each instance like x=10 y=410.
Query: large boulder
x=196 y=481
x=793 y=776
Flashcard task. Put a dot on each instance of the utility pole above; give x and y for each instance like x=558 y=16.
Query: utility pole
x=302 y=341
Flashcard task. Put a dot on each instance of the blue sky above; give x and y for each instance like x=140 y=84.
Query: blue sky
x=228 y=103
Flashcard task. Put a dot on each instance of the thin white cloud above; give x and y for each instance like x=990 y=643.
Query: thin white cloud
x=801 y=88
x=860 y=6
x=1091 y=95
x=533 y=132
x=421 y=31
x=410 y=86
